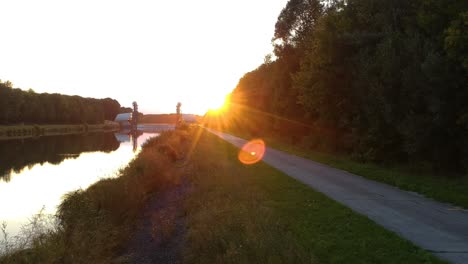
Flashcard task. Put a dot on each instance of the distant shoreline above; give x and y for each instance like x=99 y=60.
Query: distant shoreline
x=8 y=132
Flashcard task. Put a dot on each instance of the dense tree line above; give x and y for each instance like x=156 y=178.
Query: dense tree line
x=18 y=106
x=18 y=154
x=382 y=80
x=125 y=110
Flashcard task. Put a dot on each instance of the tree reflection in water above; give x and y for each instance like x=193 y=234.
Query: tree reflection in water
x=15 y=155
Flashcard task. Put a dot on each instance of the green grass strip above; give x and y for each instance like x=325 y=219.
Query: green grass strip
x=256 y=214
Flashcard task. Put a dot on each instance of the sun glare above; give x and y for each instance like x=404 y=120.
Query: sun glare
x=218 y=104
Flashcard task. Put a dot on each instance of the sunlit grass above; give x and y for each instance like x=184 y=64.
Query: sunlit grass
x=256 y=214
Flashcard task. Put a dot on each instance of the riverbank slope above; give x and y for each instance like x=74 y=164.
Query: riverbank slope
x=94 y=225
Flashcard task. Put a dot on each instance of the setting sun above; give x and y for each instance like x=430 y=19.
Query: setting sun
x=217 y=104
x=140 y=51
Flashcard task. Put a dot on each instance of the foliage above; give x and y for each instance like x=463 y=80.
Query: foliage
x=35 y=242
x=382 y=80
x=125 y=110
x=18 y=106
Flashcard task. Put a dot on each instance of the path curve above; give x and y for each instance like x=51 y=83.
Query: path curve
x=437 y=227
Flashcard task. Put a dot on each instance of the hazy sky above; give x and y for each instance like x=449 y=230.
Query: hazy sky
x=154 y=52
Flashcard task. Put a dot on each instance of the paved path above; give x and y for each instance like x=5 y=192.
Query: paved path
x=437 y=227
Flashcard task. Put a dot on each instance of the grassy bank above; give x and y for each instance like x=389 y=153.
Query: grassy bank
x=94 y=224
x=256 y=214
x=28 y=131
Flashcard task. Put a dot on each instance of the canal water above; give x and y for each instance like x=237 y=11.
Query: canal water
x=36 y=173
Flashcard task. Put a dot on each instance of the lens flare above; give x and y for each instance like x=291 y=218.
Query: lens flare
x=252 y=152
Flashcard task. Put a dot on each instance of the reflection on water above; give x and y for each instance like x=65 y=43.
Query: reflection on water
x=36 y=173
x=15 y=155
x=127 y=136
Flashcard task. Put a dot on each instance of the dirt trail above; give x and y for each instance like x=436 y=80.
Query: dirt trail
x=160 y=237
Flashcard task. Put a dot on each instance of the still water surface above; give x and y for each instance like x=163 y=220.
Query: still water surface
x=36 y=173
